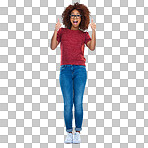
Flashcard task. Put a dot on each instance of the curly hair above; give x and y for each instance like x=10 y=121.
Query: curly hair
x=84 y=12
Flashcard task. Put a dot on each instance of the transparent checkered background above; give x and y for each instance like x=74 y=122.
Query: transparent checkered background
x=116 y=94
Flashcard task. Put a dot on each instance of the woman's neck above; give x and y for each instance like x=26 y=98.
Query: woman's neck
x=73 y=28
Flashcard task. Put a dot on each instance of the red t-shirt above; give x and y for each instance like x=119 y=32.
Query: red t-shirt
x=72 y=46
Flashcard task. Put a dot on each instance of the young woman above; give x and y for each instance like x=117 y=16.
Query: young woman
x=73 y=74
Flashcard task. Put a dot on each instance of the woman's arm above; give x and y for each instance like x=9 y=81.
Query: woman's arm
x=54 y=42
x=92 y=44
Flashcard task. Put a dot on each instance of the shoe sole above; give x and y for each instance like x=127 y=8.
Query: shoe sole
x=77 y=142
x=68 y=142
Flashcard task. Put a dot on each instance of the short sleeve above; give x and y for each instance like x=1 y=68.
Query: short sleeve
x=87 y=37
x=59 y=35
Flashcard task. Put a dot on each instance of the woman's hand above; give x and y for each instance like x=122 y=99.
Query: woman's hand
x=93 y=25
x=58 y=25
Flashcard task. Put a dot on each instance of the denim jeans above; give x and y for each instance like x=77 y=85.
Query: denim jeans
x=72 y=80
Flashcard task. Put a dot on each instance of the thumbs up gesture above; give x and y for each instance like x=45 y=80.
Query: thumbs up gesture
x=93 y=25
x=58 y=25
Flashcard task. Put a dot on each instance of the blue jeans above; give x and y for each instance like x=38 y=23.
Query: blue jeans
x=72 y=80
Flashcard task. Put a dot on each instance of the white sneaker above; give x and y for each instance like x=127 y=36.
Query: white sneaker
x=76 y=138
x=69 y=138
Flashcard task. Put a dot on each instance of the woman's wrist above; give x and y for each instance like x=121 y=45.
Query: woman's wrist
x=55 y=30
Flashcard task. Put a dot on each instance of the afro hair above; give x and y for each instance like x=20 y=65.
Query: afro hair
x=84 y=12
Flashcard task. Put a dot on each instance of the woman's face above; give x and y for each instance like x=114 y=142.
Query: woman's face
x=75 y=20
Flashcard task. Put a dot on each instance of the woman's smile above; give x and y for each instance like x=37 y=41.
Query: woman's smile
x=75 y=22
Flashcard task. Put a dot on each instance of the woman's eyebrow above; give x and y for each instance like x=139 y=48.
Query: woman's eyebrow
x=73 y=13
